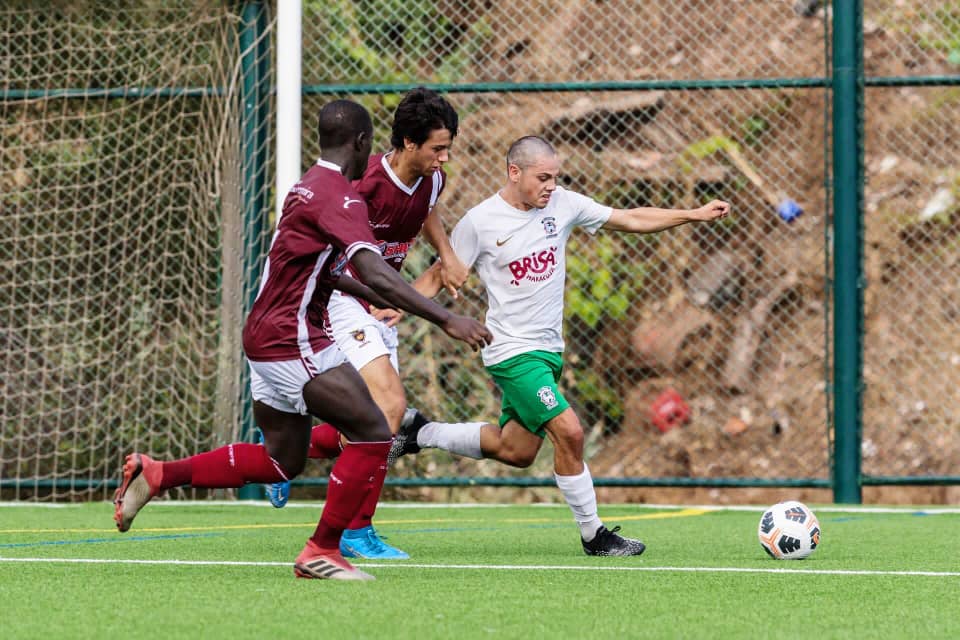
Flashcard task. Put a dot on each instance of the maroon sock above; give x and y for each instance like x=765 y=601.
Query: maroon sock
x=364 y=516
x=351 y=479
x=233 y=466
x=176 y=473
x=324 y=442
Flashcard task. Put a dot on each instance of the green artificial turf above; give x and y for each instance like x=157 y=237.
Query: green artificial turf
x=475 y=572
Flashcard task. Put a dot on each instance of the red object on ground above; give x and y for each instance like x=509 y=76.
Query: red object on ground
x=669 y=410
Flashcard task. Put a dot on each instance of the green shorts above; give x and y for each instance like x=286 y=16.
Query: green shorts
x=529 y=385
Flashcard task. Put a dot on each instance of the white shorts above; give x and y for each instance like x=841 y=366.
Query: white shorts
x=359 y=335
x=280 y=384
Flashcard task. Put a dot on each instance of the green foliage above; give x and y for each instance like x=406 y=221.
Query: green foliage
x=605 y=275
x=947 y=37
x=704 y=149
x=753 y=129
x=393 y=41
x=604 y=279
x=601 y=401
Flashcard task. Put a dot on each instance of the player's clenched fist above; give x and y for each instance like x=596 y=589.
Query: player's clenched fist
x=714 y=210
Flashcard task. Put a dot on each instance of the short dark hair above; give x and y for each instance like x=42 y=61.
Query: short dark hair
x=421 y=111
x=340 y=121
x=526 y=150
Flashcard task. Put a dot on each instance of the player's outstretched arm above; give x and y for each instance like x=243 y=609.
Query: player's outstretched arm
x=453 y=273
x=429 y=283
x=652 y=219
x=391 y=286
x=356 y=288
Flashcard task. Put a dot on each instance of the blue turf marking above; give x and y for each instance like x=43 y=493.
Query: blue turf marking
x=455 y=529
x=102 y=540
x=444 y=530
x=919 y=514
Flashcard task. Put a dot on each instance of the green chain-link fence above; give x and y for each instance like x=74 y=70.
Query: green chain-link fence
x=912 y=241
x=730 y=317
x=664 y=104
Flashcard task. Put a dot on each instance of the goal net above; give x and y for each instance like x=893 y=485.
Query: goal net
x=132 y=134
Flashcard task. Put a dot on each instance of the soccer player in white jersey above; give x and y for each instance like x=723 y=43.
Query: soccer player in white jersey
x=516 y=240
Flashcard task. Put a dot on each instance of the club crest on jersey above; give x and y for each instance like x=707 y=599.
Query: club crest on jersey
x=549 y=226
x=359 y=336
x=547 y=397
x=536 y=267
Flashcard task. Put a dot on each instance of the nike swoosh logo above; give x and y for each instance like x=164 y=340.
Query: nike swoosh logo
x=347 y=201
x=500 y=243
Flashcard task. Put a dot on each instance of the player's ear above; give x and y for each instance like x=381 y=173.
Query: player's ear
x=513 y=173
x=408 y=144
x=361 y=140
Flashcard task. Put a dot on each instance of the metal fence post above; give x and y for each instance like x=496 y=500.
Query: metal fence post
x=848 y=176
x=255 y=60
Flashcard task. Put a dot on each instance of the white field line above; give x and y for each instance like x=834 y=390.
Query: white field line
x=501 y=567
x=439 y=505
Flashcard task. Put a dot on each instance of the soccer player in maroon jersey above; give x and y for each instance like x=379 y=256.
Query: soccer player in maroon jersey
x=401 y=188
x=297 y=369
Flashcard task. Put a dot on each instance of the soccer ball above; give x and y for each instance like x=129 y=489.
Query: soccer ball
x=789 y=531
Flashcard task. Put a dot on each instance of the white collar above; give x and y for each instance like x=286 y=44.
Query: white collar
x=397 y=181
x=329 y=165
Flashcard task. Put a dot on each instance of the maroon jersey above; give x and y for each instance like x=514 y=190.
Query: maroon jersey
x=397 y=212
x=323 y=216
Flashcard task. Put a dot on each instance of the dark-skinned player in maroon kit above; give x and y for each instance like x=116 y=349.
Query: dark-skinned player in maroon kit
x=298 y=373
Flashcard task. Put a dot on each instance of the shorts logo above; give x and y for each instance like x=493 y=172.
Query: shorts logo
x=547 y=398
x=359 y=336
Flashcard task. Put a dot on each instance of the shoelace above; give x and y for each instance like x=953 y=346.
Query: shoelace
x=375 y=541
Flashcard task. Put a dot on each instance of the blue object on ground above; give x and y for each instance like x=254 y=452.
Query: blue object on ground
x=789 y=210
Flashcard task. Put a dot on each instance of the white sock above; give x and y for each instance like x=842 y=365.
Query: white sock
x=461 y=438
x=579 y=493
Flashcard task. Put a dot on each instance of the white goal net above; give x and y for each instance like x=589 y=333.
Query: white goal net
x=130 y=141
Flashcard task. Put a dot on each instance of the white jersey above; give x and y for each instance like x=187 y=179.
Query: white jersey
x=521 y=259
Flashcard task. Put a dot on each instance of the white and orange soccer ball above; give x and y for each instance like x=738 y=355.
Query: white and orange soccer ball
x=789 y=531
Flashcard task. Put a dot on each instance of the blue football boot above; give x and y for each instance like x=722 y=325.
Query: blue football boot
x=365 y=543
x=279 y=492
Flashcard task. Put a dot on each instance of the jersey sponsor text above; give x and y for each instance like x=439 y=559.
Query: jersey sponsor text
x=536 y=267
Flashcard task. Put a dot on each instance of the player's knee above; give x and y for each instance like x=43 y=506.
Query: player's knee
x=370 y=427
x=295 y=469
x=292 y=465
x=570 y=439
x=393 y=405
